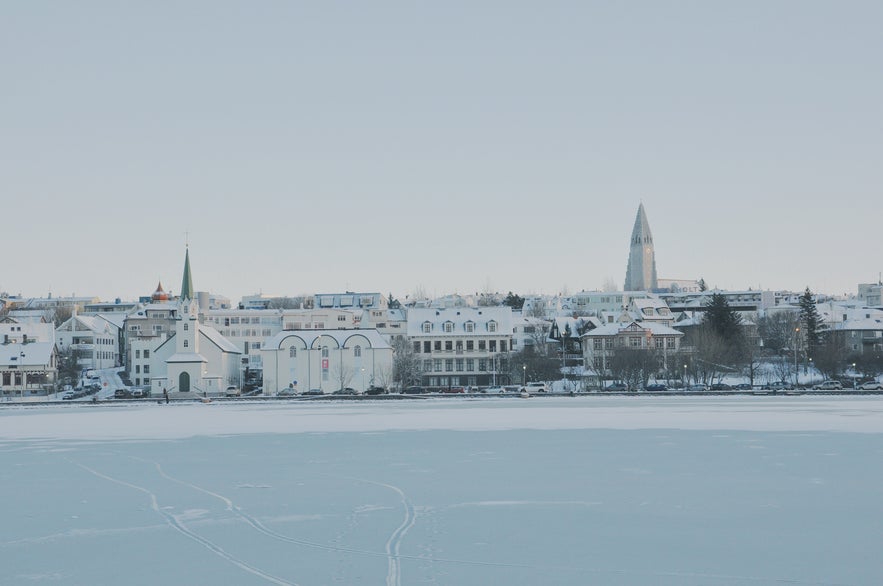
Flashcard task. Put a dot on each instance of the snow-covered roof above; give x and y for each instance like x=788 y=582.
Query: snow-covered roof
x=459 y=316
x=656 y=329
x=340 y=336
x=218 y=340
x=24 y=355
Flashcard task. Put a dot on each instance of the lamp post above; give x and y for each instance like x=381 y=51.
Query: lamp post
x=684 y=379
x=23 y=375
x=854 y=386
x=523 y=375
x=796 y=340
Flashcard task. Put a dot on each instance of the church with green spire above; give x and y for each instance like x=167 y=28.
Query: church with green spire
x=196 y=359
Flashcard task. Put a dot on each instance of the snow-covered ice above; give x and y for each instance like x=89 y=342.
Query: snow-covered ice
x=564 y=490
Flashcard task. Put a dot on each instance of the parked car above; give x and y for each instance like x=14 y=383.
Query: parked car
x=287 y=392
x=656 y=388
x=232 y=391
x=314 y=392
x=346 y=391
x=68 y=395
x=413 y=390
x=536 y=387
x=829 y=385
x=780 y=385
x=720 y=387
x=494 y=391
x=373 y=390
x=617 y=387
x=871 y=385
x=123 y=393
x=140 y=393
x=453 y=390
x=698 y=387
x=743 y=387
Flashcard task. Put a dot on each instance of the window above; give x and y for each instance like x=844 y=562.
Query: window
x=357 y=352
x=449 y=327
x=292 y=352
x=147 y=354
x=186 y=343
x=459 y=365
x=597 y=344
x=146 y=369
x=482 y=365
x=608 y=343
x=427 y=347
x=634 y=341
x=470 y=365
x=341 y=318
x=449 y=346
x=470 y=327
x=427 y=366
x=436 y=346
x=492 y=326
x=492 y=346
x=416 y=347
x=427 y=327
x=324 y=351
x=459 y=346
x=503 y=346
x=186 y=326
x=470 y=345
x=137 y=353
x=437 y=364
x=449 y=365
x=137 y=369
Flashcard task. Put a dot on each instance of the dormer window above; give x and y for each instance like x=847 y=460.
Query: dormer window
x=427 y=327
x=449 y=327
x=470 y=327
x=492 y=326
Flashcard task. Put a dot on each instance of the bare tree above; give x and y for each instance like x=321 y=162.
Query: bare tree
x=343 y=375
x=633 y=366
x=287 y=302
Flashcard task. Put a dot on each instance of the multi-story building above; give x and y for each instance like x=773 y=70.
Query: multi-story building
x=465 y=346
x=329 y=360
x=28 y=358
x=95 y=339
x=601 y=343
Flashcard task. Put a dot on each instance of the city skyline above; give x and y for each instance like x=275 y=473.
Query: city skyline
x=457 y=148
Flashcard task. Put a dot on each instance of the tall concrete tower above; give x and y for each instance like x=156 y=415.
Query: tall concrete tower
x=640 y=274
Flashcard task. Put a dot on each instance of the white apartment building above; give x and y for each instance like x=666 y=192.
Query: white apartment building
x=95 y=339
x=28 y=358
x=461 y=346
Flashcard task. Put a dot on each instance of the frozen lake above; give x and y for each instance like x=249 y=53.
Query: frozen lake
x=585 y=490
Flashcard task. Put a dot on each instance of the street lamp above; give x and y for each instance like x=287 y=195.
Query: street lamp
x=853 y=376
x=684 y=379
x=524 y=374
x=796 y=340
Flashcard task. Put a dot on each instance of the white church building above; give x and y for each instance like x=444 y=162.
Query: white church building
x=195 y=358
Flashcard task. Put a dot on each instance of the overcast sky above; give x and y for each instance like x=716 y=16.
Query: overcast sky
x=437 y=146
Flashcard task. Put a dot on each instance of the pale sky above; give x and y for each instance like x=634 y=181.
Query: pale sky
x=437 y=146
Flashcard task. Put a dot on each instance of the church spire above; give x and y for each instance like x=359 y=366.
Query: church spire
x=187 y=281
x=640 y=274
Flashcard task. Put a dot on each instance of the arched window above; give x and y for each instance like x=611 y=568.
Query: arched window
x=492 y=326
x=186 y=343
x=186 y=326
x=292 y=352
x=324 y=351
x=357 y=352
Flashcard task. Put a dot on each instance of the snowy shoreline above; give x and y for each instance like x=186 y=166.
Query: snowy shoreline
x=175 y=421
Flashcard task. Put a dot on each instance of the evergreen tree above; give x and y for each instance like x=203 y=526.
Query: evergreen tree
x=514 y=301
x=725 y=324
x=702 y=285
x=810 y=321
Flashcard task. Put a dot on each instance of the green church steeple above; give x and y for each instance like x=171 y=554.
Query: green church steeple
x=187 y=281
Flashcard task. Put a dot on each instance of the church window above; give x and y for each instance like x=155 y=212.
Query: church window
x=324 y=351
x=292 y=352
x=357 y=352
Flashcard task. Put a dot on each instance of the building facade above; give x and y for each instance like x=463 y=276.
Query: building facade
x=465 y=346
